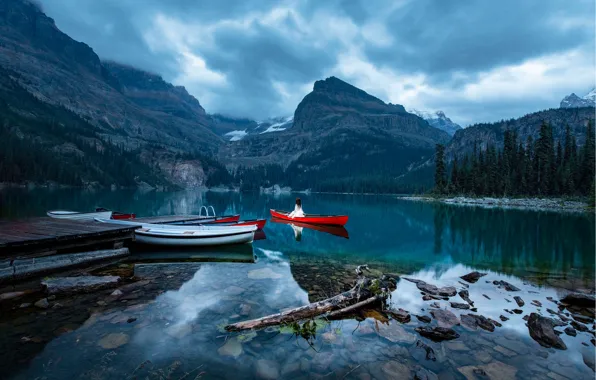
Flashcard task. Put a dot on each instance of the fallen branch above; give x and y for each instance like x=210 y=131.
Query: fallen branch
x=368 y=289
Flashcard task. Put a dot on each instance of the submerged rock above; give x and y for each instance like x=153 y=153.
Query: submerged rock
x=396 y=370
x=400 y=315
x=112 y=341
x=582 y=318
x=457 y=305
x=536 y=303
x=503 y=318
x=496 y=323
x=472 y=277
x=495 y=370
x=78 y=284
x=232 y=348
x=542 y=331
x=570 y=331
x=437 y=334
x=446 y=291
x=517 y=311
x=519 y=301
x=579 y=299
x=424 y=374
x=465 y=295
x=445 y=318
x=266 y=369
x=579 y=326
x=395 y=333
x=506 y=285
x=430 y=353
x=474 y=321
x=423 y=318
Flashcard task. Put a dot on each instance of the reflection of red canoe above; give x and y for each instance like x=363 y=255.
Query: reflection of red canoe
x=333 y=230
x=332 y=220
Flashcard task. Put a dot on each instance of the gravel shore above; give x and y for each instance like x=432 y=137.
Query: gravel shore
x=553 y=204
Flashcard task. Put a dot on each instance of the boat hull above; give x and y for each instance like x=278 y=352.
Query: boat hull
x=73 y=215
x=331 y=220
x=180 y=240
x=260 y=223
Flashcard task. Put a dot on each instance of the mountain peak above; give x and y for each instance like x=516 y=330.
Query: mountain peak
x=574 y=101
x=439 y=120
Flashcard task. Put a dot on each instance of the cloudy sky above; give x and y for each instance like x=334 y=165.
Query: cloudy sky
x=477 y=60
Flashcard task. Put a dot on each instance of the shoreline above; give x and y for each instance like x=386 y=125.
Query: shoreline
x=534 y=204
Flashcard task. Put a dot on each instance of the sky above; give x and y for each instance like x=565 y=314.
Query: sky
x=476 y=60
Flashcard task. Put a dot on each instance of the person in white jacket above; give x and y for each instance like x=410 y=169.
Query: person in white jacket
x=297 y=210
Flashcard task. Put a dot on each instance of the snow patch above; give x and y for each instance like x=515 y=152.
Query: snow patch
x=236 y=135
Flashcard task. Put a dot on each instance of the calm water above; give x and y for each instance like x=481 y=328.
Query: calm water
x=181 y=307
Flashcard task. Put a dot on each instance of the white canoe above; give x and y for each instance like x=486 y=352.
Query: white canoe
x=192 y=238
x=189 y=236
x=62 y=214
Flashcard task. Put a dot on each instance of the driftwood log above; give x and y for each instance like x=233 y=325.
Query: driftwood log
x=367 y=291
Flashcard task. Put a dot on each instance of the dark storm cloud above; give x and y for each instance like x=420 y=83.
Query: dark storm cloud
x=267 y=64
x=439 y=37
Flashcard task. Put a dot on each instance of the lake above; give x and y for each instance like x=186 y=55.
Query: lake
x=170 y=324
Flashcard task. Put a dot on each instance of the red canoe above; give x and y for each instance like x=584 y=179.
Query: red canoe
x=332 y=220
x=117 y=214
x=330 y=229
x=260 y=223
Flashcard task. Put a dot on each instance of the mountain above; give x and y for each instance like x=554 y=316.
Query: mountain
x=574 y=101
x=128 y=108
x=438 y=120
x=340 y=135
x=527 y=126
x=275 y=124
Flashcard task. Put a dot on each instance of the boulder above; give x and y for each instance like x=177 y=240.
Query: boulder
x=496 y=323
x=519 y=301
x=542 y=331
x=393 y=332
x=579 y=299
x=506 y=285
x=114 y=340
x=437 y=334
x=473 y=321
x=78 y=284
x=445 y=318
x=457 y=305
x=579 y=326
x=503 y=318
x=472 y=277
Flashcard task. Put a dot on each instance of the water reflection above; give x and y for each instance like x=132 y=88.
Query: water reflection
x=179 y=330
x=298 y=227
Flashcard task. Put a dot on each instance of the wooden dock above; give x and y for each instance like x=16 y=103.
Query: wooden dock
x=45 y=236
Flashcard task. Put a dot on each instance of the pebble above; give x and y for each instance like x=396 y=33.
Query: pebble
x=42 y=303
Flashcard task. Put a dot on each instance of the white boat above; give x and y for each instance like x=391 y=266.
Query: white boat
x=163 y=234
x=62 y=214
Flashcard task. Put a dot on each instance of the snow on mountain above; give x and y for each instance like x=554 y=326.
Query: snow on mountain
x=438 y=119
x=236 y=135
x=275 y=124
x=574 y=101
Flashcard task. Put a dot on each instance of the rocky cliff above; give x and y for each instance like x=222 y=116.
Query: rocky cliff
x=129 y=107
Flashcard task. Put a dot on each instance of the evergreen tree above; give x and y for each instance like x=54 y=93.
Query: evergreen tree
x=440 y=175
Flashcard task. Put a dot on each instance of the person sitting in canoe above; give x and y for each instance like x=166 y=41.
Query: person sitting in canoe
x=297 y=213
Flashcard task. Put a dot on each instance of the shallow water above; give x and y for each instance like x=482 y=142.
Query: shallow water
x=182 y=307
